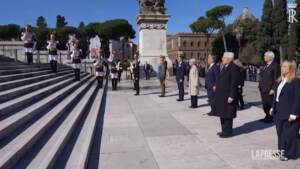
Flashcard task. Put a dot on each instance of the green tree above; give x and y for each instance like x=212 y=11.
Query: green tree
x=9 y=32
x=60 y=21
x=265 y=35
x=207 y=26
x=41 y=22
x=114 y=29
x=280 y=25
x=62 y=35
x=219 y=14
x=218 y=45
x=42 y=36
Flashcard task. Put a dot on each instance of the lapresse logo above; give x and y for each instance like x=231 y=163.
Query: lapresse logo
x=292 y=13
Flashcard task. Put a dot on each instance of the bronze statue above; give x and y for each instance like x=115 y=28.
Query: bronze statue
x=152 y=6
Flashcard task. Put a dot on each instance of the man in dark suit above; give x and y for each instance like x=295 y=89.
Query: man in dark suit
x=136 y=75
x=268 y=77
x=225 y=102
x=180 y=73
x=211 y=76
x=241 y=83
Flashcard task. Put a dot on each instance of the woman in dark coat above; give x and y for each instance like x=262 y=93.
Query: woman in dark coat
x=286 y=110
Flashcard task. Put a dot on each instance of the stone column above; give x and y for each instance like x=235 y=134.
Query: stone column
x=152 y=38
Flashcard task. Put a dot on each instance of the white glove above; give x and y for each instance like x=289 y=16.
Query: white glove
x=292 y=118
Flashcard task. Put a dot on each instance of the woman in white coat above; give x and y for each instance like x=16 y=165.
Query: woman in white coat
x=194 y=83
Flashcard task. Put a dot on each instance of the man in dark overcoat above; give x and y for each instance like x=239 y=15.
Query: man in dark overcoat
x=225 y=102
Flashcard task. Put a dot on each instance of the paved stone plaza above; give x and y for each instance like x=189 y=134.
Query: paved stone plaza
x=148 y=132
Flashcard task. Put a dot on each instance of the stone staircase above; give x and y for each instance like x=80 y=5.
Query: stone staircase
x=47 y=120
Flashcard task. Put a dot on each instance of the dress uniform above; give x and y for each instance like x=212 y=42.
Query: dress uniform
x=29 y=44
x=114 y=76
x=52 y=49
x=100 y=69
x=76 y=62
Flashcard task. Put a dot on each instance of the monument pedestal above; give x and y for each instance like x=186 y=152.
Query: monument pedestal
x=152 y=38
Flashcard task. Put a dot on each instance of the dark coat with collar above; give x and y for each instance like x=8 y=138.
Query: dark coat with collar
x=211 y=76
x=289 y=100
x=226 y=86
x=181 y=71
x=268 y=76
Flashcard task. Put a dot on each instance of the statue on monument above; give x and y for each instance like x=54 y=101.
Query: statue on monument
x=152 y=7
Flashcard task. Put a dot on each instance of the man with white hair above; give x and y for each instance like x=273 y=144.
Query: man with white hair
x=225 y=102
x=268 y=77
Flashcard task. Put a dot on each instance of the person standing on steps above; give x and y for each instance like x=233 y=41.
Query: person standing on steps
x=100 y=69
x=136 y=76
x=162 y=75
x=211 y=77
x=114 y=76
x=180 y=73
x=52 y=49
x=29 y=43
x=268 y=77
x=76 y=60
x=194 y=85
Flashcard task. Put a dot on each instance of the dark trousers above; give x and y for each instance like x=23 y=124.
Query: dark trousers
x=287 y=133
x=194 y=101
x=137 y=86
x=114 y=83
x=181 y=90
x=211 y=96
x=77 y=74
x=119 y=75
x=226 y=125
x=29 y=57
x=53 y=65
x=100 y=81
x=240 y=98
x=163 y=87
x=267 y=101
x=147 y=75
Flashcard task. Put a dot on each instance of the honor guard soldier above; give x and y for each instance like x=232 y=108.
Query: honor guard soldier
x=114 y=76
x=29 y=43
x=52 y=49
x=76 y=60
x=100 y=69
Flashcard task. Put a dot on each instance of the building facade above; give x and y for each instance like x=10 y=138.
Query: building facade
x=123 y=49
x=190 y=45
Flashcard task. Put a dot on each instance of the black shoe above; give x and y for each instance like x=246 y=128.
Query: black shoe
x=161 y=96
x=267 y=120
x=136 y=94
x=179 y=100
x=193 y=107
x=211 y=114
x=219 y=133
x=222 y=135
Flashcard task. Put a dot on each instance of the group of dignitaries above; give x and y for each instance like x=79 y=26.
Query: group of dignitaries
x=279 y=87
